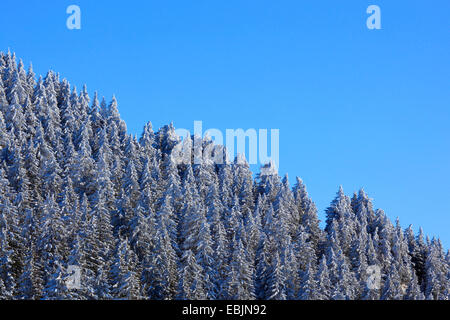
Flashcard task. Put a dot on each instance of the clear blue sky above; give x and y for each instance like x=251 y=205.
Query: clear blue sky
x=354 y=107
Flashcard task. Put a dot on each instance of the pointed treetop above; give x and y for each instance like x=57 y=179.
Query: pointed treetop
x=269 y=169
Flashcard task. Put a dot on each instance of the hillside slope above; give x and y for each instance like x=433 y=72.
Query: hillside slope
x=77 y=191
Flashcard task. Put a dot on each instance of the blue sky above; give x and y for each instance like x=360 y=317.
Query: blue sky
x=355 y=107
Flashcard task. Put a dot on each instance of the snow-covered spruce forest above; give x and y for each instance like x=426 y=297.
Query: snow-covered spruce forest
x=77 y=190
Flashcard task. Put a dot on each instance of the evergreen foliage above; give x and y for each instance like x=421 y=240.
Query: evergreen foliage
x=77 y=190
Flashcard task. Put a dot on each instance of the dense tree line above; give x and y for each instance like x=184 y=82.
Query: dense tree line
x=77 y=190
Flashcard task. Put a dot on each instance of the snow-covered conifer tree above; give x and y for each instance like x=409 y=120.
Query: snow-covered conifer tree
x=77 y=190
